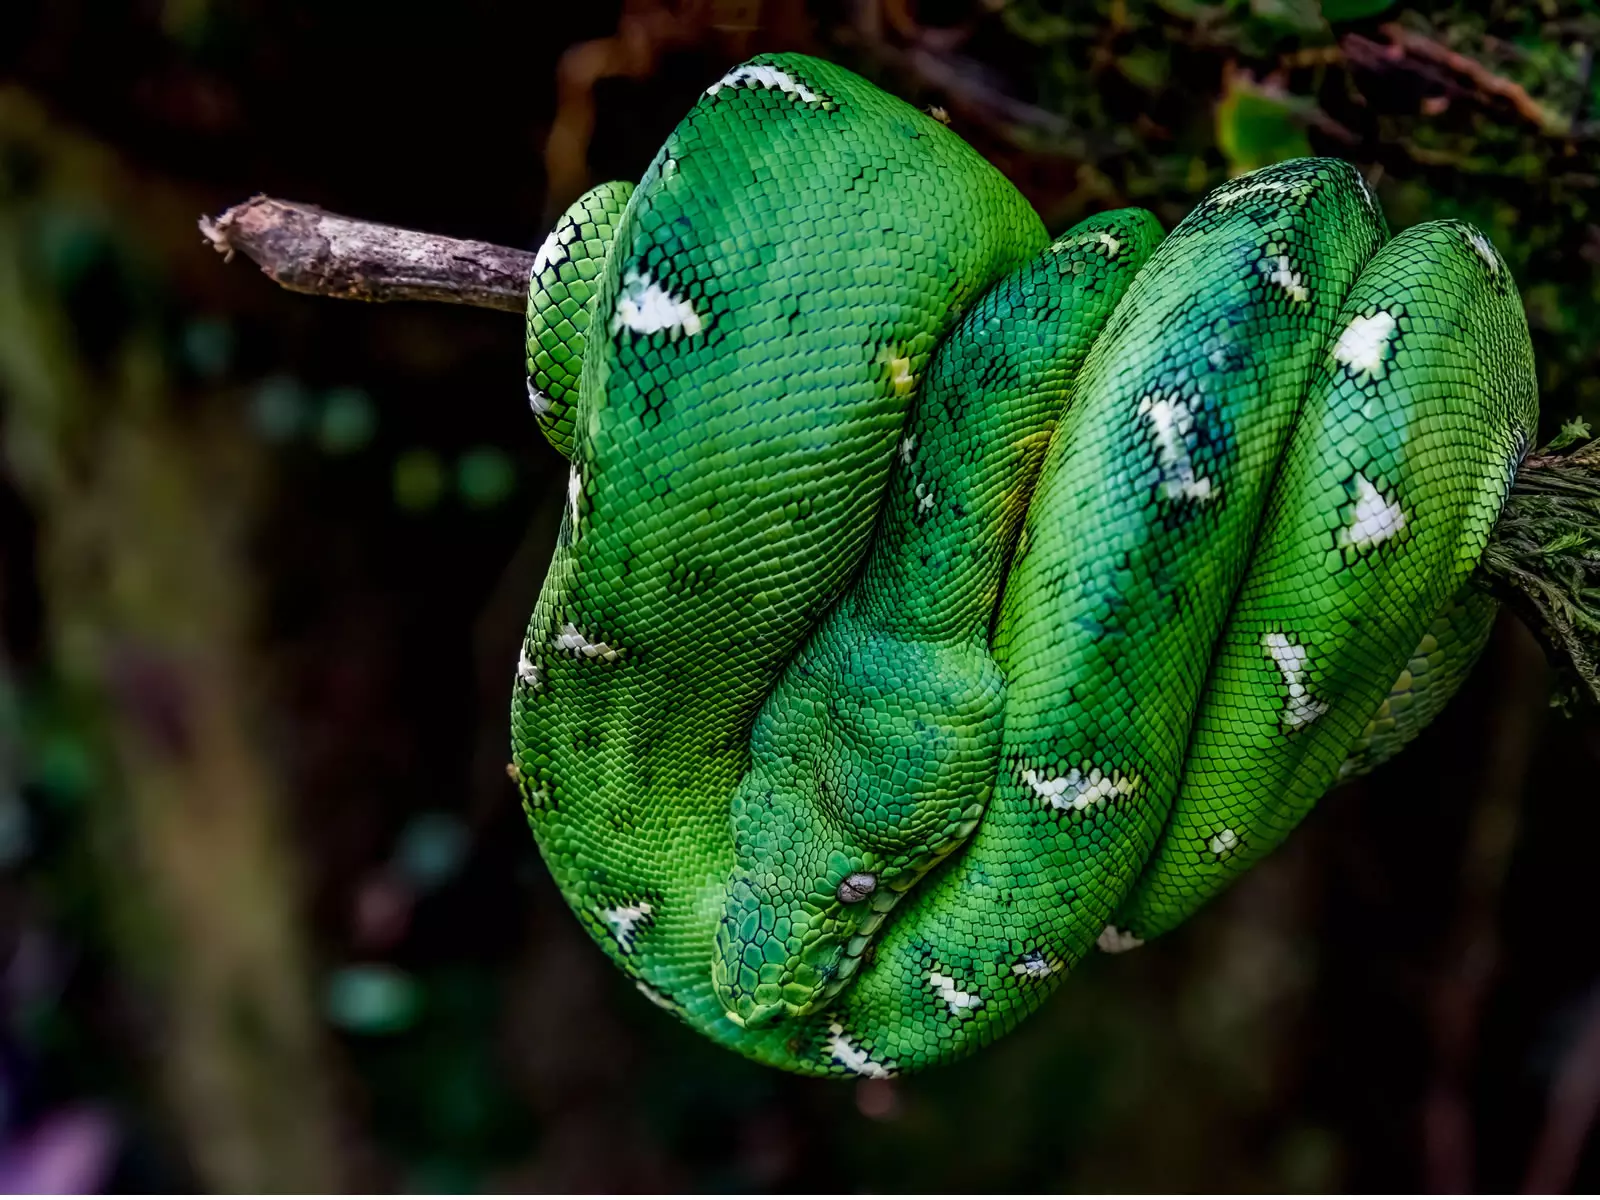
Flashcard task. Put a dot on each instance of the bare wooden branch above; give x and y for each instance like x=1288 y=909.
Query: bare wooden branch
x=307 y=249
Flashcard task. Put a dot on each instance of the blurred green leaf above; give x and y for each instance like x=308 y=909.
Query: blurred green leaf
x=279 y=408
x=372 y=999
x=431 y=849
x=1146 y=67
x=485 y=476
x=1289 y=16
x=208 y=347
x=1255 y=129
x=1353 y=10
x=418 y=480
x=348 y=421
x=64 y=769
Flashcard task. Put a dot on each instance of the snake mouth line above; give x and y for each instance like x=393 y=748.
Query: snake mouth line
x=853 y=952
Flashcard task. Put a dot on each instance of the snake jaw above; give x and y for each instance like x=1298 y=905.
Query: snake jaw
x=759 y=1018
x=829 y=837
x=823 y=953
x=777 y=959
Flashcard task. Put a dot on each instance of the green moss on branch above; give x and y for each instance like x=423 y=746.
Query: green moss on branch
x=1544 y=558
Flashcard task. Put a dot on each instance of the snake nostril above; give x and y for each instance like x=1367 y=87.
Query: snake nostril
x=857 y=887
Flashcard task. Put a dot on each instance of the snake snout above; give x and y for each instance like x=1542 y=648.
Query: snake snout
x=777 y=959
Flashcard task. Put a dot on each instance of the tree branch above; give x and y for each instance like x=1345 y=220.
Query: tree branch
x=307 y=249
x=1543 y=560
x=1444 y=69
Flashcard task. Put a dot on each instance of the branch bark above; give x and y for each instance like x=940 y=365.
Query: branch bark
x=1543 y=560
x=308 y=249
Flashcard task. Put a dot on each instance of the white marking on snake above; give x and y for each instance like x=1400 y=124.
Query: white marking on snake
x=574 y=493
x=763 y=76
x=574 y=643
x=625 y=920
x=1280 y=187
x=1364 y=187
x=852 y=1057
x=1111 y=245
x=655 y=997
x=924 y=496
x=1076 y=790
x=554 y=249
x=1360 y=348
x=1290 y=658
x=1485 y=249
x=1375 y=518
x=644 y=306
x=908 y=447
x=956 y=1000
x=1117 y=941
x=537 y=400
x=1224 y=842
x=1034 y=965
x=1281 y=272
x=528 y=671
x=1171 y=424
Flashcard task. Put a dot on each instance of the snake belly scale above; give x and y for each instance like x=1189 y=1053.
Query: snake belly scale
x=936 y=601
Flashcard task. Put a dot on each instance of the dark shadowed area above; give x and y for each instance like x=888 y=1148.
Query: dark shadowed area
x=270 y=917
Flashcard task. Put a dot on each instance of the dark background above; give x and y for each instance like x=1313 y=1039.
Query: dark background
x=269 y=914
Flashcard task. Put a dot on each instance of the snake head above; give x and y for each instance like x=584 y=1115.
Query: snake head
x=875 y=759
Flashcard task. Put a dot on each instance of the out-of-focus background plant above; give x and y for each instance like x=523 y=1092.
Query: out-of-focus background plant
x=269 y=917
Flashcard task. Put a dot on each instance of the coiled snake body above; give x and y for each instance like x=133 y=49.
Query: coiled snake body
x=935 y=601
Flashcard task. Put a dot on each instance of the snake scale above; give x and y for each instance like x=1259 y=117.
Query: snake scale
x=934 y=601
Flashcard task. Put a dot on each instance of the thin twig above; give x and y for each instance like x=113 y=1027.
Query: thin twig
x=307 y=249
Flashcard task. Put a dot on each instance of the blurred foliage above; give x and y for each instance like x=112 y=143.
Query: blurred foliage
x=341 y=516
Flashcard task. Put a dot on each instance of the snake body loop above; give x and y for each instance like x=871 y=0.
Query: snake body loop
x=934 y=601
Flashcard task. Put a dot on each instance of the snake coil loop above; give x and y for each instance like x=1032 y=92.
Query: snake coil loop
x=935 y=601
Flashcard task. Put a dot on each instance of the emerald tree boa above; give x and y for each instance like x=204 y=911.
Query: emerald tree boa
x=936 y=602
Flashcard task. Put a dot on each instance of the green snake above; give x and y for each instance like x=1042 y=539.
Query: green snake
x=934 y=601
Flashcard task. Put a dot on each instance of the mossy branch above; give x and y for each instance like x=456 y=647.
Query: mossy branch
x=1543 y=559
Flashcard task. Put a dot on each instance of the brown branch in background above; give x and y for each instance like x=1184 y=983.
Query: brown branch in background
x=969 y=87
x=1446 y=69
x=307 y=249
x=645 y=31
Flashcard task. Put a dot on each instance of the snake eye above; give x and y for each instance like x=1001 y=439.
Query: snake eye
x=857 y=887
